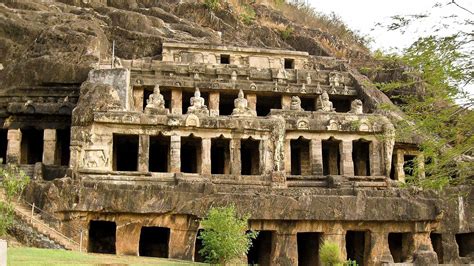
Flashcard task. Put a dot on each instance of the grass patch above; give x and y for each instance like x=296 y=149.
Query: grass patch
x=37 y=256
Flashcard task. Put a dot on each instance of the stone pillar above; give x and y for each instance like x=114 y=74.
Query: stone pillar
x=214 y=99
x=398 y=163
x=285 y=102
x=175 y=154
x=3 y=252
x=49 y=146
x=235 y=156
x=287 y=162
x=252 y=101
x=347 y=166
x=128 y=239
x=421 y=165
x=181 y=244
x=206 y=156
x=316 y=156
x=138 y=94
x=424 y=253
x=14 y=146
x=375 y=158
x=285 y=249
x=379 y=251
x=176 y=102
x=143 y=153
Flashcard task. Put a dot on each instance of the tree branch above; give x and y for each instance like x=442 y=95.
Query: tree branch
x=461 y=7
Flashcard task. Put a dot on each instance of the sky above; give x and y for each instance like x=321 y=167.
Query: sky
x=362 y=15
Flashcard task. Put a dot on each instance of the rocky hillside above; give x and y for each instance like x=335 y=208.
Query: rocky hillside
x=44 y=42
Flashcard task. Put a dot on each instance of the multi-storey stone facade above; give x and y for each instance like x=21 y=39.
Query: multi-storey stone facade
x=140 y=152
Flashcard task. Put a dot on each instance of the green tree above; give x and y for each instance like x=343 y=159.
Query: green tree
x=435 y=70
x=225 y=236
x=14 y=180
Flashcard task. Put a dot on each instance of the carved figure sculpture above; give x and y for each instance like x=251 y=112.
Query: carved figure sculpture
x=324 y=104
x=155 y=104
x=356 y=107
x=197 y=104
x=335 y=79
x=241 y=106
x=296 y=104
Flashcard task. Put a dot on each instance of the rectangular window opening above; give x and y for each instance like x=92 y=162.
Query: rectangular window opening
x=125 y=152
x=361 y=157
x=331 y=157
x=225 y=59
x=437 y=243
x=31 y=146
x=250 y=157
x=289 y=63
x=159 y=154
x=63 y=139
x=356 y=246
x=400 y=245
x=220 y=156
x=191 y=154
x=3 y=145
x=266 y=103
x=226 y=103
x=465 y=244
x=300 y=162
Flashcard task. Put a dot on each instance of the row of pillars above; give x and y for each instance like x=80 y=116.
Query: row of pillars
x=345 y=160
x=14 y=147
x=284 y=245
x=205 y=159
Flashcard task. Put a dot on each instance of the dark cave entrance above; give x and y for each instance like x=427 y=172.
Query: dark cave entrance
x=3 y=145
x=63 y=141
x=191 y=154
x=102 y=237
x=400 y=246
x=361 y=157
x=198 y=245
x=331 y=157
x=437 y=243
x=266 y=103
x=261 y=251
x=356 y=246
x=154 y=242
x=308 y=248
x=31 y=146
x=465 y=244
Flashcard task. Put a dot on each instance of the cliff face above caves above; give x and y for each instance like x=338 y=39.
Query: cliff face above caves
x=58 y=42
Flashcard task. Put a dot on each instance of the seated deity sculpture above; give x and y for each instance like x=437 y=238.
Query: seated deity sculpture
x=197 y=104
x=296 y=104
x=241 y=106
x=324 y=104
x=356 y=107
x=155 y=103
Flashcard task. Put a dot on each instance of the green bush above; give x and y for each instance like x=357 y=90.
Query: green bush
x=14 y=180
x=212 y=4
x=248 y=15
x=329 y=254
x=224 y=236
x=286 y=33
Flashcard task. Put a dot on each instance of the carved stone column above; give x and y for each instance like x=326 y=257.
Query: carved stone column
x=252 y=101
x=206 y=156
x=316 y=156
x=127 y=239
x=288 y=156
x=379 y=251
x=214 y=99
x=285 y=249
x=181 y=245
x=398 y=164
x=138 y=94
x=175 y=154
x=143 y=153
x=285 y=102
x=375 y=158
x=49 y=146
x=176 y=101
x=346 y=158
x=235 y=168
x=14 y=146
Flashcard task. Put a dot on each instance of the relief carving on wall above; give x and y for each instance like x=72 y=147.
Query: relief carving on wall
x=94 y=158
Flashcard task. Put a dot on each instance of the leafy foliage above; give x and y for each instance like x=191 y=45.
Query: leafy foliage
x=329 y=254
x=286 y=33
x=212 y=4
x=14 y=180
x=435 y=70
x=247 y=15
x=224 y=235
